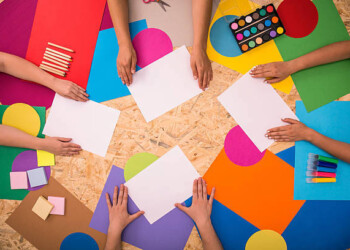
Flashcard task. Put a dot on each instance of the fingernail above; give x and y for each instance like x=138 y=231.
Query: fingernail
x=268 y=131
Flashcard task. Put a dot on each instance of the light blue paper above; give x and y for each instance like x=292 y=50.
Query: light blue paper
x=104 y=83
x=37 y=177
x=332 y=120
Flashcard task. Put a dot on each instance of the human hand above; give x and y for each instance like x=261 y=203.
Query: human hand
x=126 y=63
x=295 y=131
x=275 y=71
x=69 y=89
x=200 y=209
x=119 y=217
x=60 y=146
x=201 y=67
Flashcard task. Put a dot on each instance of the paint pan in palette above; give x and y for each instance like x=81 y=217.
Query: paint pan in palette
x=257 y=28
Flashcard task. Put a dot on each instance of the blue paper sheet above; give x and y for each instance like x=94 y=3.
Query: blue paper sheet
x=332 y=120
x=104 y=83
x=318 y=224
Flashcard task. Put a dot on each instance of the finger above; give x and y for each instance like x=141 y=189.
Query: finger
x=273 y=80
x=115 y=196
x=277 y=129
x=195 y=189
x=200 y=188
x=108 y=201
x=211 y=74
x=125 y=196
x=279 y=137
x=133 y=66
x=205 y=80
x=78 y=97
x=285 y=140
x=200 y=79
x=204 y=189
x=82 y=94
x=258 y=69
x=82 y=89
x=194 y=71
x=212 y=196
x=63 y=139
x=128 y=75
x=289 y=120
x=136 y=215
x=72 y=145
x=124 y=76
x=277 y=133
x=121 y=193
x=182 y=208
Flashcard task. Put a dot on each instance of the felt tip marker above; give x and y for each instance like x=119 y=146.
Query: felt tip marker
x=322 y=158
x=320 y=180
x=322 y=163
x=320 y=174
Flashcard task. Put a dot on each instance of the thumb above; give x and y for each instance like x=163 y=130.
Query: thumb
x=182 y=208
x=289 y=120
x=63 y=139
x=136 y=215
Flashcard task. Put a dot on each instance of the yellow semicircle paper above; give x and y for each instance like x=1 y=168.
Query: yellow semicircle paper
x=137 y=163
x=23 y=117
x=266 y=240
x=266 y=53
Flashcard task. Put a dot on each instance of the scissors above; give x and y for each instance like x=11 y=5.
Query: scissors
x=160 y=2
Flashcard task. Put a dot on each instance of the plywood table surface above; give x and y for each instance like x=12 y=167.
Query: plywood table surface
x=198 y=126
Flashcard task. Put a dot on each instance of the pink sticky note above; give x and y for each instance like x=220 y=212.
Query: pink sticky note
x=58 y=203
x=19 y=180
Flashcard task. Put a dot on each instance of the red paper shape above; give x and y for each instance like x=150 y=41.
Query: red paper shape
x=73 y=24
x=299 y=17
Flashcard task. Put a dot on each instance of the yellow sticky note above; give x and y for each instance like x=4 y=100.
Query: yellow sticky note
x=265 y=53
x=45 y=158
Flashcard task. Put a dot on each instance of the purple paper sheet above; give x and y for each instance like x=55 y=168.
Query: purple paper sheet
x=16 y=20
x=169 y=232
x=106 y=20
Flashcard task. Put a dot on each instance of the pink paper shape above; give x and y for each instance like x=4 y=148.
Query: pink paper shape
x=240 y=149
x=19 y=180
x=27 y=160
x=58 y=203
x=150 y=45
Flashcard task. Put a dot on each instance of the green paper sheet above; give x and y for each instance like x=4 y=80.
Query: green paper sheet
x=7 y=156
x=322 y=84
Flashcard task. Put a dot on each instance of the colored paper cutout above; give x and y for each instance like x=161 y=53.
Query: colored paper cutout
x=164 y=84
x=222 y=39
x=49 y=234
x=240 y=149
x=288 y=155
x=90 y=124
x=104 y=83
x=299 y=17
x=166 y=181
x=255 y=111
x=79 y=241
x=137 y=163
x=322 y=84
x=106 y=20
x=27 y=160
x=58 y=204
x=7 y=156
x=23 y=117
x=37 y=177
x=171 y=230
x=19 y=180
x=232 y=230
x=42 y=208
x=16 y=20
x=45 y=158
x=262 y=193
x=266 y=239
x=332 y=120
x=150 y=45
x=58 y=22
x=243 y=63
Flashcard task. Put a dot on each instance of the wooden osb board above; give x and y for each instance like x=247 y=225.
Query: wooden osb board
x=198 y=126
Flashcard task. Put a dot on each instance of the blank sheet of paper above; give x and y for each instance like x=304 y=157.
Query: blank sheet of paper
x=164 y=84
x=166 y=181
x=256 y=107
x=89 y=124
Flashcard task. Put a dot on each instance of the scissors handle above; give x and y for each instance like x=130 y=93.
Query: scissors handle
x=147 y=1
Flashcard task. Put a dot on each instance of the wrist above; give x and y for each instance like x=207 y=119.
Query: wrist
x=295 y=65
x=50 y=81
x=203 y=224
x=115 y=232
x=39 y=143
x=309 y=134
x=200 y=46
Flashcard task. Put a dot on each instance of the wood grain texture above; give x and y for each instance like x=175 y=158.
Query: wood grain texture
x=198 y=126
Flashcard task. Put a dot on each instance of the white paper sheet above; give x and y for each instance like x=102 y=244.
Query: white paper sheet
x=256 y=107
x=164 y=84
x=89 y=124
x=166 y=181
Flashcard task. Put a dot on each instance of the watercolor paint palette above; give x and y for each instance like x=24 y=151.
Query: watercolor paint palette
x=257 y=28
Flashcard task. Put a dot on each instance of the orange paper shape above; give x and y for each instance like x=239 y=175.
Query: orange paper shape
x=262 y=193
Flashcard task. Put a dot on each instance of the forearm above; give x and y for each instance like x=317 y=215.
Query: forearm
x=209 y=238
x=338 y=149
x=13 y=137
x=120 y=17
x=327 y=54
x=201 y=11
x=23 y=69
x=114 y=241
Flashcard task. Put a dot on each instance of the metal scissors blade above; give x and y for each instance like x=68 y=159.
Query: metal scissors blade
x=162 y=3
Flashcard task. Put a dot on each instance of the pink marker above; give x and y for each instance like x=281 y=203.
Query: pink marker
x=320 y=174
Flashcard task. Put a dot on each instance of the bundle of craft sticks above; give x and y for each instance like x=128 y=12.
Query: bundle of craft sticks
x=56 y=62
